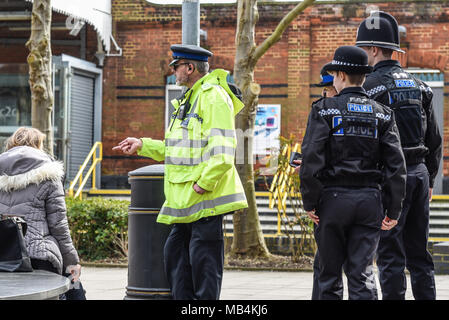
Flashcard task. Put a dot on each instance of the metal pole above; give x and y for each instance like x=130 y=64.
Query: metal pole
x=191 y=22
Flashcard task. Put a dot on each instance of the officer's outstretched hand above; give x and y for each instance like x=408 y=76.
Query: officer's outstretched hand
x=388 y=224
x=129 y=145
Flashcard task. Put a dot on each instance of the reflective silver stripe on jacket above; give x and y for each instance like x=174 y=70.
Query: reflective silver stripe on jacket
x=206 y=204
x=195 y=161
x=186 y=142
x=225 y=96
x=230 y=133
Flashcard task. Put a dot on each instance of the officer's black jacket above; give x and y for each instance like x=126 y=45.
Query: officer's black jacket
x=380 y=85
x=365 y=152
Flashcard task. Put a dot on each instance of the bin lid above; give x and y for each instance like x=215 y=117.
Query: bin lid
x=151 y=170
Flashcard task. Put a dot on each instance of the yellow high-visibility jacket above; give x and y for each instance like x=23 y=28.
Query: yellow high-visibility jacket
x=200 y=149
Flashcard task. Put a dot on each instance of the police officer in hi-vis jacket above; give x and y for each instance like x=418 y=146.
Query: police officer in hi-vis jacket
x=351 y=147
x=201 y=183
x=411 y=101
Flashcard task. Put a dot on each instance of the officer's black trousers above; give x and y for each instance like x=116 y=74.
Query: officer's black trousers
x=316 y=277
x=194 y=257
x=348 y=232
x=406 y=244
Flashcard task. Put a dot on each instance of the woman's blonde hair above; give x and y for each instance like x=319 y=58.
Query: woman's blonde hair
x=23 y=136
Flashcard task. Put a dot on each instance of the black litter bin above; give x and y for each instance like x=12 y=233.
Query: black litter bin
x=146 y=237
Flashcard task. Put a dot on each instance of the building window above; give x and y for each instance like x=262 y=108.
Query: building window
x=15 y=99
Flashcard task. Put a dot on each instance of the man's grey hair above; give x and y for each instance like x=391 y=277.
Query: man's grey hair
x=201 y=66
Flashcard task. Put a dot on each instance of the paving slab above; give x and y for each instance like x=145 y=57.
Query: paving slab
x=110 y=284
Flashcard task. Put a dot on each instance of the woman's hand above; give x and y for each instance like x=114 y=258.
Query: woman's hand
x=75 y=271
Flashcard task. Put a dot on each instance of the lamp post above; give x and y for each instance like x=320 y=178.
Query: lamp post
x=191 y=22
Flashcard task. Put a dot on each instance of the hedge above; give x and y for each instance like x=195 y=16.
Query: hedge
x=99 y=227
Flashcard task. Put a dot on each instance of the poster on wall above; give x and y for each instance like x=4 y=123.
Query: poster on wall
x=267 y=128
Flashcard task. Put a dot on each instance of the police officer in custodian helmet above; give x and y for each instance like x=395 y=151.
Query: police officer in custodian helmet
x=411 y=101
x=350 y=147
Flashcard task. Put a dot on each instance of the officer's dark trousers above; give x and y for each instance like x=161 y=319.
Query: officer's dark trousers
x=406 y=244
x=348 y=232
x=316 y=277
x=194 y=257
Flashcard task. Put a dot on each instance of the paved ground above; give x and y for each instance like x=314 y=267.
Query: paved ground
x=110 y=283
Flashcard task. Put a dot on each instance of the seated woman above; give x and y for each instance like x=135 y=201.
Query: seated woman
x=31 y=187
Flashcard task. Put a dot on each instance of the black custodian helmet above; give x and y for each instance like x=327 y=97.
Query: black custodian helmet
x=380 y=29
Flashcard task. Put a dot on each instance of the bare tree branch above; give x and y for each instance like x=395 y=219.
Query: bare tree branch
x=277 y=33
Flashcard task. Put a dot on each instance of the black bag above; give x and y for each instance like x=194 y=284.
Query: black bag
x=13 y=252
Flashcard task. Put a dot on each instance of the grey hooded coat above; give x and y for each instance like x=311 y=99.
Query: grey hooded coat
x=31 y=186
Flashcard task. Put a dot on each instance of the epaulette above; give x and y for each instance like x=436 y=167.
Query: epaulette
x=318 y=100
x=206 y=86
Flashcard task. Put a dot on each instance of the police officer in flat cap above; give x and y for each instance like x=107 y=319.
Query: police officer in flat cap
x=411 y=101
x=327 y=83
x=201 y=183
x=350 y=147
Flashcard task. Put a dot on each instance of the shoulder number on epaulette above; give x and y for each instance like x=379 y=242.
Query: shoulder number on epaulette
x=206 y=86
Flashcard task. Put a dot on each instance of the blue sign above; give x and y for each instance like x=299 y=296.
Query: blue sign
x=335 y=122
x=364 y=108
x=405 y=83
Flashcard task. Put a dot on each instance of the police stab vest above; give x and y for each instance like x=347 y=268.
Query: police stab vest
x=405 y=99
x=357 y=127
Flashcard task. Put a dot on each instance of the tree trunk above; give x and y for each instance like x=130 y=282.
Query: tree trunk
x=39 y=61
x=248 y=238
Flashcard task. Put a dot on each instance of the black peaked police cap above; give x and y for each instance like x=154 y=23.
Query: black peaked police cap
x=349 y=59
x=380 y=29
x=326 y=79
x=190 y=52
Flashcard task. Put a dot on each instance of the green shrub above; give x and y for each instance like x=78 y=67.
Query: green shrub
x=99 y=227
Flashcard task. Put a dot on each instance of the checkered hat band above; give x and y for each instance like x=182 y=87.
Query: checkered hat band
x=343 y=63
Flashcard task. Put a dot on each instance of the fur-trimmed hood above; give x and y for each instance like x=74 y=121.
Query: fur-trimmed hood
x=22 y=166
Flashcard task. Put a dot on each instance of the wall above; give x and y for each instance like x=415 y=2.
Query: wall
x=134 y=99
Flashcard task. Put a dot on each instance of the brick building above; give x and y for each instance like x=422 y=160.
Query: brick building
x=136 y=85
x=77 y=78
